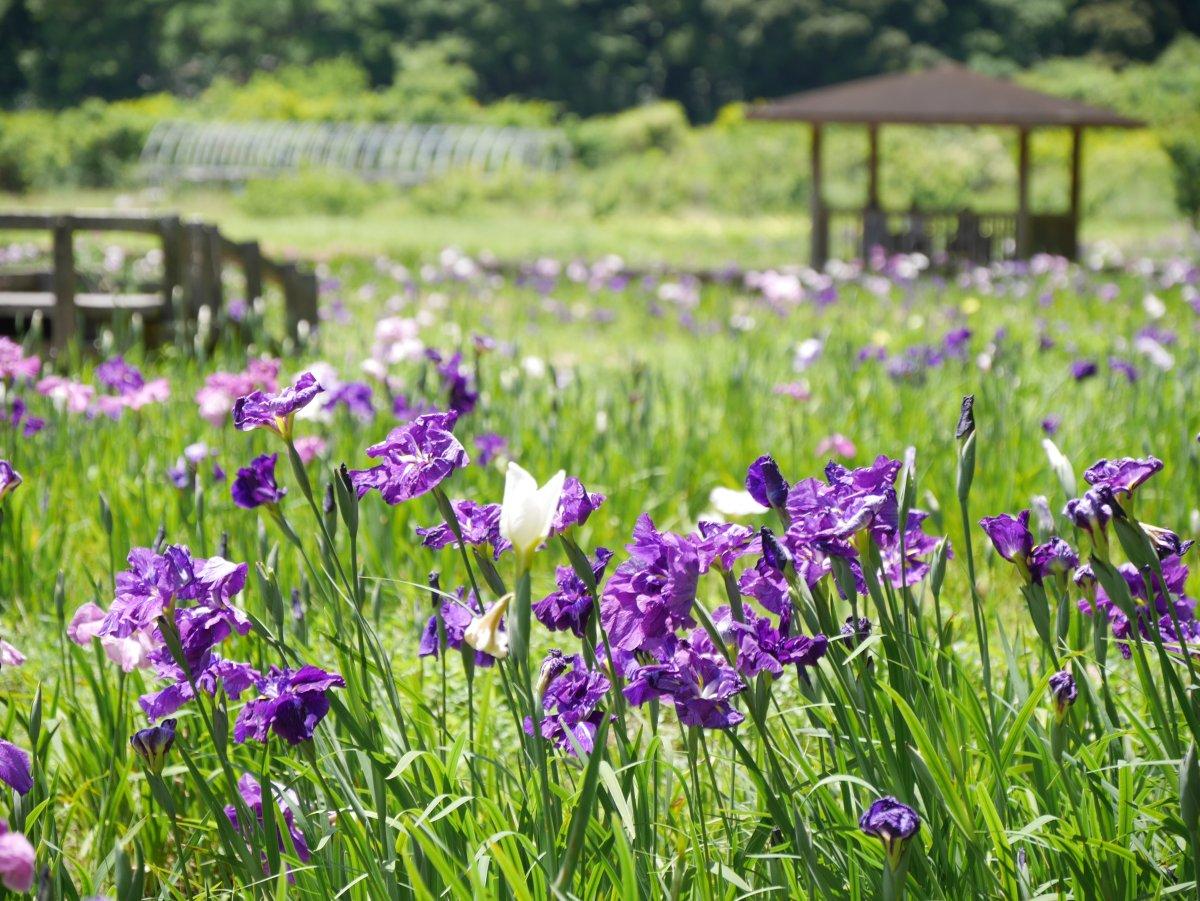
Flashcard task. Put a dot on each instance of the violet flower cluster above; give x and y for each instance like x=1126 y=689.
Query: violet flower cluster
x=571 y=696
x=193 y=598
x=1161 y=606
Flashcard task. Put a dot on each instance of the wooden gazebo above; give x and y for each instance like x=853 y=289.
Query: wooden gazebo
x=946 y=95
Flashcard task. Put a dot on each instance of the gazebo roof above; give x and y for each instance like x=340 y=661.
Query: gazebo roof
x=948 y=94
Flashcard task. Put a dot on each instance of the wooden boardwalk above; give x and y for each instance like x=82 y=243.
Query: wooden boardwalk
x=194 y=255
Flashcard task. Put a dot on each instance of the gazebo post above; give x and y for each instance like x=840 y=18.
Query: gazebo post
x=1022 y=193
x=819 y=251
x=1075 y=198
x=872 y=167
x=874 y=223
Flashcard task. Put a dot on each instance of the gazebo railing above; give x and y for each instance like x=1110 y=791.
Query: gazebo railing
x=982 y=237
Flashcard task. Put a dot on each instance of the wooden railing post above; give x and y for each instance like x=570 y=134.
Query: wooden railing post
x=169 y=228
x=196 y=270
x=300 y=292
x=253 y=269
x=213 y=261
x=64 y=282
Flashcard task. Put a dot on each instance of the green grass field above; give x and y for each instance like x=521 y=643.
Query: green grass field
x=701 y=237
x=729 y=781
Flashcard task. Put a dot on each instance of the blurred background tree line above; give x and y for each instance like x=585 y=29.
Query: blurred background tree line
x=649 y=92
x=589 y=56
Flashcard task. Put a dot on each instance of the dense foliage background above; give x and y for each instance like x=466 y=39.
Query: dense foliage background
x=592 y=56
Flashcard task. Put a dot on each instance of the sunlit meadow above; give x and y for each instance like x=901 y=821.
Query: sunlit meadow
x=587 y=582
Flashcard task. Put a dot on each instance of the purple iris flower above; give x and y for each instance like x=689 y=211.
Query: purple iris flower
x=1051 y=424
x=462 y=396
x=19 y=414
x=570 y=702
x=356 y=397
x=828 y=515
x=1168 y=606
x=767 y=585
x=766 y=484
x=1054 y=558
x=209 y=675
x=774 y=553
x=1064 y=691
x=479 y=524
x=259 y=410
x=956 y=342
x=14 y=768
x=893 y=823
x=416 y=458
x=155 y=581
x=856 y=630
x=455 y=616
x=153 y=743
x=649 y=596
x=1090 y=512
x=1166 y=543
x=1010 y=535
x=490 y=446
x=575 y=505
x=290 y=703
x=696 y=679
x=118 y=375
x=1122 y=476
x=255 y=484
x=570 y=607
x=10 y=479
x=1083 y=369
x=1123 y=367
x=762 y=648
x=913 y=566
x=403 y=408
x=723 y=543
x=251 y=793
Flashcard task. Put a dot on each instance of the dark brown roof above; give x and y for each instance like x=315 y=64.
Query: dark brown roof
x=949 y=94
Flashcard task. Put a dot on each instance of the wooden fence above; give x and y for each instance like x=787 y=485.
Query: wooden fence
x=193 y=253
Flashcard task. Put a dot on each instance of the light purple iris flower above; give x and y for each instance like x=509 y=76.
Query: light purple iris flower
x=259 y=410
x=649 y=597
x=120 y=376
x=570 y=702
x=1122 y=476
x=490 y=446
x=479 y=524
x=10 y=479
x=575 y=505
x=415 y=459
x=356 y=397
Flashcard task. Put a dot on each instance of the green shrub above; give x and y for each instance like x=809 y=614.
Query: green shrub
x=1183 y=149
x=310 y=192
x=656 y=126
